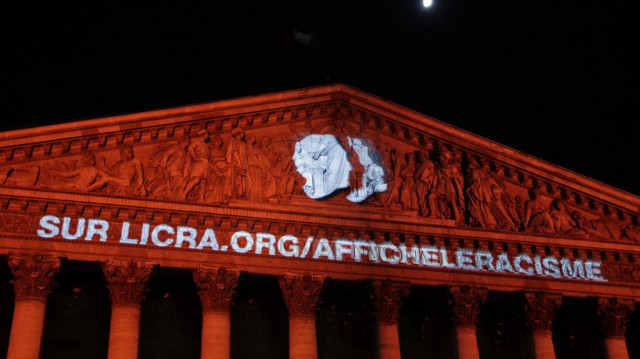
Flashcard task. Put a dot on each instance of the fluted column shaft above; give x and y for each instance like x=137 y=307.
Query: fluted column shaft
x=33 y=280
x=613 y=313
x=127 y=284
x=216 y=287
x=387 y=300
x=540 y=313
x=465 y=303
x=301 y=293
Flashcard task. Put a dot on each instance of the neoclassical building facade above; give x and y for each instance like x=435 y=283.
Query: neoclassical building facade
x=314 y=223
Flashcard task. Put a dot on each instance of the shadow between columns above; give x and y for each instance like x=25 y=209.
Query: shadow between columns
x=425 y=326
x=259 y=319
x=171 y=318
x=502 y=328
x=345 y=324
x=576 y=330
x=633 y=333
x=78 y=313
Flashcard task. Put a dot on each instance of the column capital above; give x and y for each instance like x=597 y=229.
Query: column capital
x=301 y=292
x=540 y=308
x=216 y=287
x=387 y=299
x=127 y=280
x=465 y=302
x=33 y=274
x=613 y=313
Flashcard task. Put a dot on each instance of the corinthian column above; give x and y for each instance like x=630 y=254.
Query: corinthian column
x=613 y=314
x=127 y=284
x=301 y=295
x=465 y=302
x=33 y=281
x=387 y=297
x=216 y=288
x=540 y=312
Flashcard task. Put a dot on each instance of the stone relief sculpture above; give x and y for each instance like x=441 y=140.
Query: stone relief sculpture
x=488 y=204
x=408 y=196
x=537 y=217
x=218 y=188
x=425 y=183
x=261 y=184
x=308 y=159
x=237 y=157
x=447 y=195
x=126 y=176
x=166 y=170
x=196 y=170
x=323 y=163
x=81 y=178
x=373 y=175
x=393 y=178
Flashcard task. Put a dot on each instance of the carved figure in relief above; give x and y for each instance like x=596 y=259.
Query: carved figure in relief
x=166 y=170
x=425 y=183
x=323 y=162
x=562 y=220
x=260 y=182
x=537 y=217
x=237 y=157
x=480 y=197
x=218 y=187
x=504 y=207
x=408 y=196
x=80 y=178
x=594 y=228
x=447 y=196
x=393 y=178
x=126 y=177
x=196 y=170
x=284 y=169
x=373 y=175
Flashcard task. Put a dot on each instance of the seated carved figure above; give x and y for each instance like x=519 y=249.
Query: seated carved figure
x=537 y=218
x=126 y=177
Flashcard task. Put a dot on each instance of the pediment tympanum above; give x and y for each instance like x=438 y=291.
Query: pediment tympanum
x=249 y=158
x=329 y=155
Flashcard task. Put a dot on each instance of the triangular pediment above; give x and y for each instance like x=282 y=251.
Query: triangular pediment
x=238 y=155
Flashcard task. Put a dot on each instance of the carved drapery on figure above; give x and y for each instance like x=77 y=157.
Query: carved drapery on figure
x=33 y=274
x=127 y=280
x=541 y=309
x=387 y=299
x=465 y=303
x=613 y=313
x=301 y=293
x=216 y=287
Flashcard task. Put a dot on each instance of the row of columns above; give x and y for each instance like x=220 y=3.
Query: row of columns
x=127 y=280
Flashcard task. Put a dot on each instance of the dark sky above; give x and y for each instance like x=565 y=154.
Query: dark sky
x=555 y=79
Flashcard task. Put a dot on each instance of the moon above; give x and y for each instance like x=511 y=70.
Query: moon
x=427 y=3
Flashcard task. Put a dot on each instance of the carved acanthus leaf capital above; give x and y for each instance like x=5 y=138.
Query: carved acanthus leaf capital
x=33 y=274
x=613 y=314
x=387 y=299
x=541 y=309
x=127 y=280
x=301 y=293
x=465 y=303
x=216 y=287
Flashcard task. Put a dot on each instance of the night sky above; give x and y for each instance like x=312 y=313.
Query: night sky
x=555 y=79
